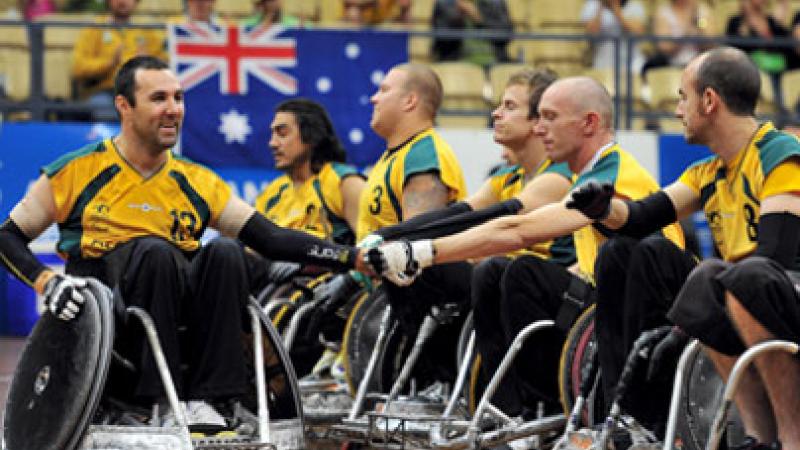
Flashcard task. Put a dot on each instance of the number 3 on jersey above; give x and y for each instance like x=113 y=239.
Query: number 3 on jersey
x=375 y=207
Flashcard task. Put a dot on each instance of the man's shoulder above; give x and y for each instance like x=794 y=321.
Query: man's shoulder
x=87 y=151
x=775 y=147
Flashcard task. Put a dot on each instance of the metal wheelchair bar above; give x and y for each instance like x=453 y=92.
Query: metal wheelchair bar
x=677 y=390
x=261 y=385
x=461 y=379
x=163 y=368
x=733 y=383
x=373 y=361
x=505 y=364
x=429 y=325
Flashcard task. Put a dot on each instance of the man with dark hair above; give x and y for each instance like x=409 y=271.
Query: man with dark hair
x=575 y=117
x=749 y=193
x=318 y=193
x=131 y=213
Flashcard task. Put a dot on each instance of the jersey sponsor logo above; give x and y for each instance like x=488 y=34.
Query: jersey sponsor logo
x=144 y=207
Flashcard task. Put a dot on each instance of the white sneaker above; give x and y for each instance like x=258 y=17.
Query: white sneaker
x=203 y=417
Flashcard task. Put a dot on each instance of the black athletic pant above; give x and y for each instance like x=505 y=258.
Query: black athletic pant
x=437 y=285
x=637 y=281
x=206 y=291
x=531 y=289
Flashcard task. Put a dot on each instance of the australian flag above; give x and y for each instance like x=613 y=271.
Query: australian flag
x=234 y=77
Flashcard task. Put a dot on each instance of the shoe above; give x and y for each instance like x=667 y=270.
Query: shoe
x=751 y=443
x=203 y=418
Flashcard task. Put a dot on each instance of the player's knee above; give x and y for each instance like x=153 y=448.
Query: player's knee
x=614 y=254
x=706 y=270
x=227 y=253
x=157 y=252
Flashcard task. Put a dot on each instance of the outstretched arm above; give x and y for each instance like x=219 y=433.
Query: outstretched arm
x=240 y=220
x=510 y=233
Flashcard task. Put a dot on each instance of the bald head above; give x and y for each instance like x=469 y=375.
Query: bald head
x=423 y=81
x=583 y=95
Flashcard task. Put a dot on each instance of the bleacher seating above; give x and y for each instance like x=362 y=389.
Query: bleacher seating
x=498 y=75
x=15 y=62
x=164 y=7
x=465 y=89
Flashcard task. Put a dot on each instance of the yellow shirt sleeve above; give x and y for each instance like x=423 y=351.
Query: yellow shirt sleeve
x=783 y=179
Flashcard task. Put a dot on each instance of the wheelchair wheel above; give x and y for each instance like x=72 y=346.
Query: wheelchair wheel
x=60 y=376
x=579 y=349
x=699 y=401
x=290 y=291
x=361 y=332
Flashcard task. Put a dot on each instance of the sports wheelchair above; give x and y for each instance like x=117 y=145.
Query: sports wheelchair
x=58 y=396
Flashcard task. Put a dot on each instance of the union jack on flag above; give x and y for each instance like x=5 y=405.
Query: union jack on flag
x=234 y=76
x=234 y=52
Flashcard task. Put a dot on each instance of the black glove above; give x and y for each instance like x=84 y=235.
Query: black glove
x=593 y=199
x=667 y=352
x=62 y=296
x=281 y=271
x=330 y=296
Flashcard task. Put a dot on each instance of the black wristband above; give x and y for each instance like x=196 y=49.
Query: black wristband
x=648 y=215
x=778 y=238
x=402 y=229
x=464 y=221
x=283 y=244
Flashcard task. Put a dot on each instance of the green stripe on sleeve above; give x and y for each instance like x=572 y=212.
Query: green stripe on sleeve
x=53 y=168
x=421 y=158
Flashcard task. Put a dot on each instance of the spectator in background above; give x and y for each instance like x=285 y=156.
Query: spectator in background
x=616 y=18
x=373 y=12
x=679 y=18
x=99 y=53
x=463 y=14
x=31 y=9
x=201 y=12
x=270 y=12
x=754 y=21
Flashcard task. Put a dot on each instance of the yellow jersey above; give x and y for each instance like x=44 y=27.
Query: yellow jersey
x=380 y=204
x=731 y=194
x=315 y=206
x=509 y=181
x=102 y=202
x=631 y=181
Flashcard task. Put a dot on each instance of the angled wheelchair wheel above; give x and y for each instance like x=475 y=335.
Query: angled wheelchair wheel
x=360 y=335
x=60 y=376
x=580 y=348
x=699 y=401
x=283 y=391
